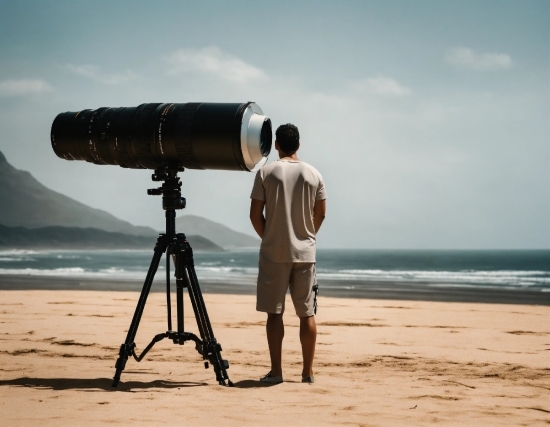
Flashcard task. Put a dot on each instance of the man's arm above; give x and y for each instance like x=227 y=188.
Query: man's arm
x=257 y=217
x=319 y=213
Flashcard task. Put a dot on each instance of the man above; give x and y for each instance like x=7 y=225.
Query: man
x=293 y=194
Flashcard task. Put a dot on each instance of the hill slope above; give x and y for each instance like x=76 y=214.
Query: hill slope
x=27 y=203
x=218 y=233
x=85 y=238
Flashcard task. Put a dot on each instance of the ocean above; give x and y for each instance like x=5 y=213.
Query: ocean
x=498 y=270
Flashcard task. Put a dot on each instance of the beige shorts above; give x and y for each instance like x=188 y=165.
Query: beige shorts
x=275 y=278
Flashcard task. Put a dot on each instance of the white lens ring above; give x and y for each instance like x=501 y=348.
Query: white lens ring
x=251 y=137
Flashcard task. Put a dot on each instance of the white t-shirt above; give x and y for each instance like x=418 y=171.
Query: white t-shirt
x=289 y=189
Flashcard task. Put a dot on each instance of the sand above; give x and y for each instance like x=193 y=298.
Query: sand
x=378 y=363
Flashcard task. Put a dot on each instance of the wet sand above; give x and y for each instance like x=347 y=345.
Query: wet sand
x=406 y=291
x=379 y=362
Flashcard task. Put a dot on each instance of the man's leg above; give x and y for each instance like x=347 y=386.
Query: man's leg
x=308 y=337
x=302 y=280
x=275 y=333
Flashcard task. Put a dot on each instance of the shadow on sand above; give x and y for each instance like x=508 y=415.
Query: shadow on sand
x=94 y=384
x=251 y=384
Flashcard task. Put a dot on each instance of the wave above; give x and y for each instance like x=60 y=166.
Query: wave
x=18 y=252
x=112 y=273
x=501 y=277
x=226 y=275
x=493 y=279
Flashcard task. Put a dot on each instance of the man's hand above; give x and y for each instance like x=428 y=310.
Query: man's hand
x=257 y=217
x=319 y=213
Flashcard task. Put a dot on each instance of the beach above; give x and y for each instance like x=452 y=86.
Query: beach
x=379 y=362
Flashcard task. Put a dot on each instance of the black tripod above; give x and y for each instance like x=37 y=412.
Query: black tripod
x=176 y=245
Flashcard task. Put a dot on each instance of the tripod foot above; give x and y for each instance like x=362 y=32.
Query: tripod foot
x=115 y=381
x=124 y=352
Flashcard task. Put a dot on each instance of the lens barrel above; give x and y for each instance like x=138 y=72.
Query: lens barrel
x=226 y=136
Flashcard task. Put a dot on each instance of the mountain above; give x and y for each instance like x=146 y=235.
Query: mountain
x=218 y=233
x=85 y=238
x=27 y=203
x=59 y=221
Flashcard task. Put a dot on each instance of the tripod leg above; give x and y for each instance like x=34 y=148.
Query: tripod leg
x=210 y=347
x=168 y=302
x=180 y=284
x=127 y=347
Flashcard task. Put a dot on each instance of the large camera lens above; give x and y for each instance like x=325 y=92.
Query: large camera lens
x=193 y=135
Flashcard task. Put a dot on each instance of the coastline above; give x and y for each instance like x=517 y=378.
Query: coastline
x=394 y=290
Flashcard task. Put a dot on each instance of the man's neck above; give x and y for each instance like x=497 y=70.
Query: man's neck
x=285 y=156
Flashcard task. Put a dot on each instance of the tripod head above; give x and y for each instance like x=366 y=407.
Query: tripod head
x=171 y=188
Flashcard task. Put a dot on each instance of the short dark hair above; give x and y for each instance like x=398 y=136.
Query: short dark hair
x=288 y=138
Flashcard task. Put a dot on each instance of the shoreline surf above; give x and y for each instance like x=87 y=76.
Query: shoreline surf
x=406 y=291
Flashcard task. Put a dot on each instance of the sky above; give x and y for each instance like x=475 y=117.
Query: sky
x=429 y=120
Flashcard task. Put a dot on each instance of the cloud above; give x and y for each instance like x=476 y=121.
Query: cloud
x=212 y=61
x=381 y=85
x=94 y=72
x=463 y=57
x=23 y=87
